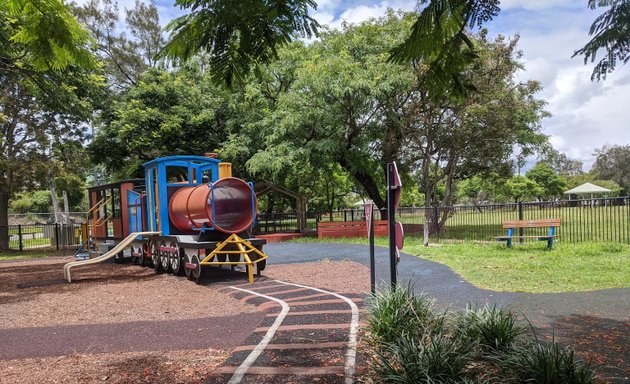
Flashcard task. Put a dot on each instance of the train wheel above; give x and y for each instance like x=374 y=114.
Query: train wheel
x=176 y=259
x=196 y=273
x=155 y=256
x=164 y=258
x=187 y=271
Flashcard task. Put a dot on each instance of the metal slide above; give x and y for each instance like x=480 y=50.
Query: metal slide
x=108 y=255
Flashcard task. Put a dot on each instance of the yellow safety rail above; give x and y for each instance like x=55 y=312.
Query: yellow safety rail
x=96 y=221
x=245 y=248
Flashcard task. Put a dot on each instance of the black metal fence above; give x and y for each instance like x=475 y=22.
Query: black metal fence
x=43 y=236
x=597 y=219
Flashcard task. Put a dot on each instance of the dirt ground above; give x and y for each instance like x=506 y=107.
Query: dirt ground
x=34 y=294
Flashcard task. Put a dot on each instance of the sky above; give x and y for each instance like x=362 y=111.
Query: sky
x=586 y=115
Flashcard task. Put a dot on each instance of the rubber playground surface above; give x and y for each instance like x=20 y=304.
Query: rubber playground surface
x=304 y=325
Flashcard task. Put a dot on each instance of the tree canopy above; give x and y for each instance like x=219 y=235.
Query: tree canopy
x=239 y=34
x=610 y=32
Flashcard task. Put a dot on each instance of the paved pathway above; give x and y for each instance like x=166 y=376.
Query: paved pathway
x=596 y=322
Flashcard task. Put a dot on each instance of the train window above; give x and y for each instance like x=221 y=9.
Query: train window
x=207 y=176
x=116 y=207
x=176 y=175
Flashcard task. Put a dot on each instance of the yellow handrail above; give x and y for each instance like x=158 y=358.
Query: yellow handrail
x=96 y=222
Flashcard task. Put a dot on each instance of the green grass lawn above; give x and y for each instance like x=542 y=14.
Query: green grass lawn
x=16 y=255
x=528 y=267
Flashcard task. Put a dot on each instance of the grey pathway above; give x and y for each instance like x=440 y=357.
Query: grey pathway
x=596 y=321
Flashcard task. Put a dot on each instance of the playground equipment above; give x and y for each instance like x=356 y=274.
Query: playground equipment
x=186 y=213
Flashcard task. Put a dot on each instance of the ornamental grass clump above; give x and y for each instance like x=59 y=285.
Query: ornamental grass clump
x=397 y=312
x=493 y=329
x=547 y=364
x=408 y=342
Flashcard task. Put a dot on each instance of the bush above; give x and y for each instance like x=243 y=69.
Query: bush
x=410 y=343
x=434 y=358
x=395 y=312
x=494 y=329
x=36 y=201
x=548 y=364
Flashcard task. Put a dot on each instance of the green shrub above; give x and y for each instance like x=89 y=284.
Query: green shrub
x=410 y=343
x=492 y=328
x=435 y=358
x=548 y=364
x=398 y=311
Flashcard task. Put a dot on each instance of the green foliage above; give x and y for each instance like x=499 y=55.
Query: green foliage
x=74 y=186
x=237 y=35
x=439 y=41
x=41 y=35
x=609 y=33
x=474 y=346
x=124 y=59
x=35 y=201
x=613 y=163
x=435 y=358
x=395 y=312
x=521 y=188
x=492 y=328
x=548 y=364
x=167 y=113
x=559 y=162
x=551 y=184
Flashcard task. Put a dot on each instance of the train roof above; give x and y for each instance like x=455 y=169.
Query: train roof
x=184 y=158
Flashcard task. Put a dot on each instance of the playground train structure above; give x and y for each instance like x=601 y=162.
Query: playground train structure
x=188 y=212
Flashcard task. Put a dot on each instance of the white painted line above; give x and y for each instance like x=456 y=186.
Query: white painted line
x=251 y=358
x=351 y=353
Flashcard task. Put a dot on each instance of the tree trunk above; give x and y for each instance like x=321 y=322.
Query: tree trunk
x=369 y=184
x=4 y=221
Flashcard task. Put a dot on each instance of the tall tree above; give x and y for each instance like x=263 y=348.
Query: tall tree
x=560 y=162
x=610 y=32
x=125 y=58
x=456 y=138
x=45 y=89
x=551 y=184
x=612 y=162
x=167 y=113
x=347 y=104
x=239 y=34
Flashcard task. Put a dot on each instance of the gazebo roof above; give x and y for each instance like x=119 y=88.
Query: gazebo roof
x=587 y=188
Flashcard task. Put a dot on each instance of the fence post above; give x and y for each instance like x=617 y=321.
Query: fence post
x=57 y=235
x=352 y=215
x=520 y=217
x=20 y=246
x=436 y=220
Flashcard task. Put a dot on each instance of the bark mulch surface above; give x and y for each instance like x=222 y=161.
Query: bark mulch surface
x=126 y=324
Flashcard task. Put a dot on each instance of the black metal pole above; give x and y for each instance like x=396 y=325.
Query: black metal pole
x=372 y=261
x=21 y=246
x=390 y=223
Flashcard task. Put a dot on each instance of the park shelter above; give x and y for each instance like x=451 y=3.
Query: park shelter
x=587 y=189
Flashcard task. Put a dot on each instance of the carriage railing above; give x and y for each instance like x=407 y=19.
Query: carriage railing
x=96 y=222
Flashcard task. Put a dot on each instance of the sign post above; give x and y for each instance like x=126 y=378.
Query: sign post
x=395 y=233
x=369 y=212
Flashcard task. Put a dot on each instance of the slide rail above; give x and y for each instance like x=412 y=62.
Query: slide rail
x=126 y=242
